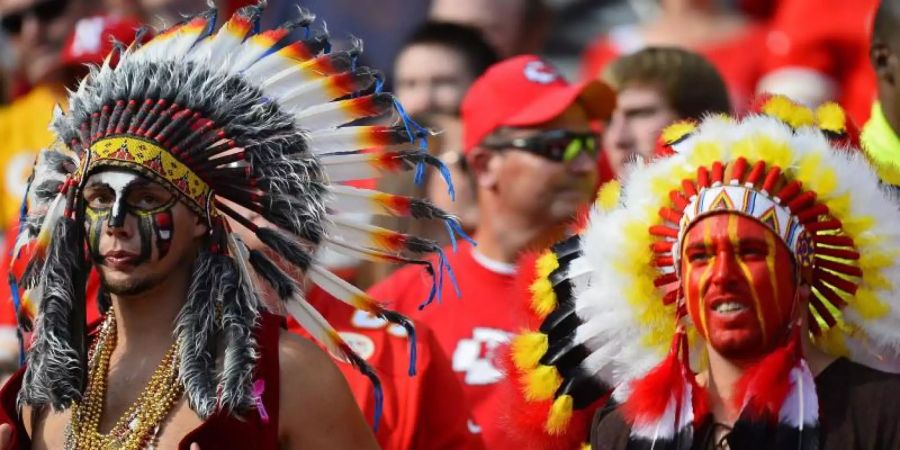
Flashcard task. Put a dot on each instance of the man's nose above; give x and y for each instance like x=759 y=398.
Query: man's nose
x=583 y=164
x=120 y=225
x=725 y=268
x=32 y=28
x=418 y=100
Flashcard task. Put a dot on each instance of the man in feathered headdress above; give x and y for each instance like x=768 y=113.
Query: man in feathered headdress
x=739 y=294
x=654 y=87
x=159 y=144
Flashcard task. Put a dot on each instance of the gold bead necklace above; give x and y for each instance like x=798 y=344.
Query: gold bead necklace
x=138 y=427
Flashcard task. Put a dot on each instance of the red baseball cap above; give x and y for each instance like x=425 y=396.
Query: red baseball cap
x=92 y=39
x=525 y=91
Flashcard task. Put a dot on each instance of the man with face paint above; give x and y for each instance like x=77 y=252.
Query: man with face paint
x=739 y=285
x=147 y=164
x=729 y=299
x=111 y=198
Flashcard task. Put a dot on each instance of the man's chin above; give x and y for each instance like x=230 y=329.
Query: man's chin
x=739 y=346
x=127 y=285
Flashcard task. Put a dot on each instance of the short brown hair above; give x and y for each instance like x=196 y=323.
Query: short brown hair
x=690 y=83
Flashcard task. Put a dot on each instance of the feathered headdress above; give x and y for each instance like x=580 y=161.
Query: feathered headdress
x=259 y=119
x=627 y=330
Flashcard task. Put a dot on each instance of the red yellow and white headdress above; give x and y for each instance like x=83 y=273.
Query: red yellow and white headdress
x=789 y=168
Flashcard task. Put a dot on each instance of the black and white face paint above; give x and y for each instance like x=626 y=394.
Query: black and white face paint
x=113 y=195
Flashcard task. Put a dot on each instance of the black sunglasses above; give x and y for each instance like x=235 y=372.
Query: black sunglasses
x=555 y=145
x=44 y=11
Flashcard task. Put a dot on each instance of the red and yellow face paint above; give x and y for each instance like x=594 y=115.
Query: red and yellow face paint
x=739 y=284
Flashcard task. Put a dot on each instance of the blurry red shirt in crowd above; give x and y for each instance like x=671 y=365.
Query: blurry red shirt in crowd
x=829 y=38
x=482 y=321
x=738 y=59
x=8 y=320
x=427 y=411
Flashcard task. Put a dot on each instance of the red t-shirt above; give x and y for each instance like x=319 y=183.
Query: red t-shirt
x=470 y=329
x=739 y=59
x=426 y=411
x=830 y=37
x=8 y=322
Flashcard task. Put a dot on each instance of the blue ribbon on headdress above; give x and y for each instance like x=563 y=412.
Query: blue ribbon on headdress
x=437 y=288
x=13 y=284
x=420 y=133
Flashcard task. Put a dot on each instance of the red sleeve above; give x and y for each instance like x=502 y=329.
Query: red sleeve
x=7 y=308
x=596 y=57
x=818 y=34
x=443 y=411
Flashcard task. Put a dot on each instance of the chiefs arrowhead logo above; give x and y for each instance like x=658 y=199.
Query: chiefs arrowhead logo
x=540 y=72
x=474 y=356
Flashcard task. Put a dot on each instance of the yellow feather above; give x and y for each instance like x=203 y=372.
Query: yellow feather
x=704 y=154
x=786 y=110
x=832 y=342
x=560 y=415
x=813 y=174
x=546 y=264
x=747 y=149
x=543 y=298
x=831 y=117
x=528 y=349
x=608 y=197
x=868 y=305
x=677 y=131
x=541 y=383
x=887 y=172
x=838 y=206
x=857 y=226
x=875 y=260
x=585 y=446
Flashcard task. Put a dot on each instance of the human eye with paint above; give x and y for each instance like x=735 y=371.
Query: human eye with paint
x=130 y=228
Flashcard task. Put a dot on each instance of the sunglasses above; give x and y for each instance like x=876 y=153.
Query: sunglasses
x=44 y=11
x=555 y=145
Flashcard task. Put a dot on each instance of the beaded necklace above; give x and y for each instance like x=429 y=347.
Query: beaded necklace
x=139 y=426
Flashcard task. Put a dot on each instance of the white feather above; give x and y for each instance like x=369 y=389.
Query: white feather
x=352 y=167
x=316 y=325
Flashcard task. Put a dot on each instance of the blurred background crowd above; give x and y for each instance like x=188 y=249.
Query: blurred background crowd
x=665 y=60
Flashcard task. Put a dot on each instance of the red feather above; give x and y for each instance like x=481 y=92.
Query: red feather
x=762 y=389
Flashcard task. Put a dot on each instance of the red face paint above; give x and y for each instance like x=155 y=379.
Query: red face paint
x=738 y=281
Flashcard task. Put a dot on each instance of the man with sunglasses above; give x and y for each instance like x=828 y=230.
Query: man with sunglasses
x=528 y=140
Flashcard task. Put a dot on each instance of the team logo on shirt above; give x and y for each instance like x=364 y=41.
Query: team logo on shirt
x=361 y=344
x=368 y=321
x=475 y=356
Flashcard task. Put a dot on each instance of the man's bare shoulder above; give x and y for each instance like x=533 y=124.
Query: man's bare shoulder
x=302 y=362
x=315 y=404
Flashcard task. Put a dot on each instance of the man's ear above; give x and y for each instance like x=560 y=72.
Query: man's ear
x=200 y=228
x=482 y=164
x=884 y=61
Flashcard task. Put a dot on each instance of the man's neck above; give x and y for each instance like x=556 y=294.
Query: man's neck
x=721 y=380
x=502 y=236
x=724 y=374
